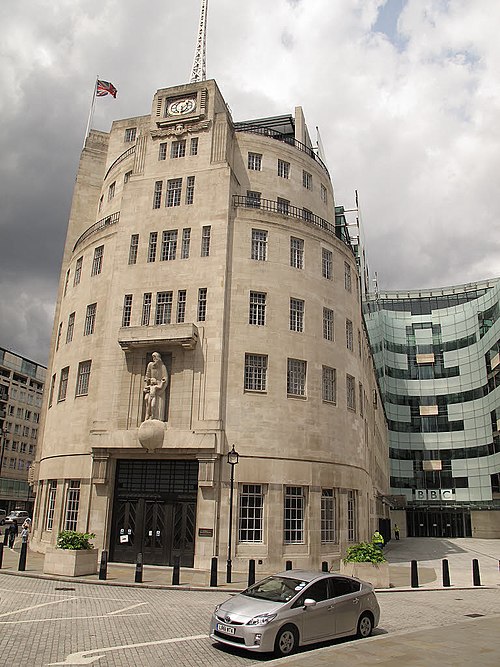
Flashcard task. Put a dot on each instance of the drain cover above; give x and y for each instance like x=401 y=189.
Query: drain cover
x=474 y=615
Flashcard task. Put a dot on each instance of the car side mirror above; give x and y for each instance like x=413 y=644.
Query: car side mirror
x=309 y=602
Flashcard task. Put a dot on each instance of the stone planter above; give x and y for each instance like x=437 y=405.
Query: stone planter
x=69 y=562
x=377 y=574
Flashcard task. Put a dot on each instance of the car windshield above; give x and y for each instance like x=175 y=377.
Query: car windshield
x=275 y=589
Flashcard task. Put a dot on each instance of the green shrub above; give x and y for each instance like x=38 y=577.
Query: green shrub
x=71 y=539
x=364 y=553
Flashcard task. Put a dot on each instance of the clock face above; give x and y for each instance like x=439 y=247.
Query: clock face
x=180 y=107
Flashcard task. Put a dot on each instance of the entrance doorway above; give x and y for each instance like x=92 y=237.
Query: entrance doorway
x=433 y=522
x=154 y=512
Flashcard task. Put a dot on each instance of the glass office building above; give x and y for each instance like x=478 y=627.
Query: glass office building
x=438 y=363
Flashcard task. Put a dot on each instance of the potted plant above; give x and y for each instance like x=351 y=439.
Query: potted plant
x=366 y=561
x=73 y=556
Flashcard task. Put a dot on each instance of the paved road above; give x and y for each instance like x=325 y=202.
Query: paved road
x=48 y=622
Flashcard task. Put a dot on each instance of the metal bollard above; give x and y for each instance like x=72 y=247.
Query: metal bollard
x=446 y=573
x=324 y=566
x=476 y=577
x=414 y=574
x=251 y=572
x=213 y=573
x=176 y=571
x=138 y=569
x=1 y=554
x=5 y=537
x=103 y=569
x=288 y=565
x=22 y=557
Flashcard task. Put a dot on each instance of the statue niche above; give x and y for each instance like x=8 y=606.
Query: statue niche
x=155 y=386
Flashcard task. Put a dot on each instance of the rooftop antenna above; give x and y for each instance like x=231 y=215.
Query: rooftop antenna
x=199 y=72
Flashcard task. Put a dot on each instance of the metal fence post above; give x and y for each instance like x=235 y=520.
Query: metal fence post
x=476 y=577
x=446 y=573
x=251 y=572
x=103 y=569
x=138 y=569
x=213 y=573
x=414 y=574
x=176 y=571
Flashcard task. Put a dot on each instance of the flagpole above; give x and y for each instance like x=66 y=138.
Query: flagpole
x=91 y=112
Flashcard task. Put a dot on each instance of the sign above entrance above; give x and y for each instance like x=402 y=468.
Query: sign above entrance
x=434 y=494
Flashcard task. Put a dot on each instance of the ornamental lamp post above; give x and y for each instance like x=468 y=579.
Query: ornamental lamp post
x=232 y=459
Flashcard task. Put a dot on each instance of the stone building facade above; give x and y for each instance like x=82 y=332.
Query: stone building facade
x=212 y=244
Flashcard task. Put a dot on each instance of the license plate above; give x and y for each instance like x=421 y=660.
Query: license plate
x=225 y=628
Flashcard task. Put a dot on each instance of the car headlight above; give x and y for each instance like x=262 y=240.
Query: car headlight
x=261 y=619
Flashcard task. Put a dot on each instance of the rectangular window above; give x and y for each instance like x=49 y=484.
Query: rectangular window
x=97 y=261
x=255 y=372
x=347 y=277
x=259 y=244
x=202 y=304
x=71 y=328
x=83 y=378
x=327 y=264
x=111 y=191
x=134 y=247
x=52 y=387
x=194 y=146
x=89 y=324
x=350 y=388
x=51 y=504
x=162 y=151
x=283 y=169
x=163 y=308
x=361 y=401
x=72 y=505
x=250 y=513
x=296 y=253
x=63 y=384
x=126 y=177
x=157 y=194
x=329 y=391
x=190 y=190
x=352 y=519
x=66 y=282
x=186 y=242
x=324 y=195
x=181 y=305
x=296 y=377
x=130 y=134
x=296 y=315
x=205 y=240
x=257 y=314
x=283 y=205
x=328 y=516
x=146 y=309
x=253 y=199
x=328 y=324
x=255 y=161
x=78 y=271
x=174 y=187
x=178 y=149
x=168 y=245
x=127 y=310
x=294 y=515
x=101 y=201
x=307 y=180
x=349 y=335
x=153 y=242
x=59 y=332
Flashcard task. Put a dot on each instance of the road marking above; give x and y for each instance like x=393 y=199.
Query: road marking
x=67 y=618
x=133 y=606
x=37 y=606
x=84 y=657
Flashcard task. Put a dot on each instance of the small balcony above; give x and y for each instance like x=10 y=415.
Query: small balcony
x=162 y=336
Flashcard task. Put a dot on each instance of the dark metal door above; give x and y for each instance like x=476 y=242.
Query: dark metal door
x=183 y=532
x=156 y=533
x=124 y=538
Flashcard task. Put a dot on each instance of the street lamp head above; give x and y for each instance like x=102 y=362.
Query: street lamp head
x=232 y=457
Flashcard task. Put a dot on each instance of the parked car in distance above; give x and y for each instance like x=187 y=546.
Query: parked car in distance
x=295 y=608
x=18 y=516
x=3 y=514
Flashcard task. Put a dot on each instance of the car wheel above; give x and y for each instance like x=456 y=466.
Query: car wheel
x=287 y=641
x=365 y=626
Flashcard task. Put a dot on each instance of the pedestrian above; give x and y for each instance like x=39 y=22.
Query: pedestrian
x=378 y=540
x=396 y=531
x=13 y=533
x=24 y=534
x=27 y=524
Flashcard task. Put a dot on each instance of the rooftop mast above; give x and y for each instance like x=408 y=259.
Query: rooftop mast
x=199 y=72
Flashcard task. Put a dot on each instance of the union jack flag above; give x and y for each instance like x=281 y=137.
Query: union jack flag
x=105 y=88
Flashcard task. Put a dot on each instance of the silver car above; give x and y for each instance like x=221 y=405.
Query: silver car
x=295 y=608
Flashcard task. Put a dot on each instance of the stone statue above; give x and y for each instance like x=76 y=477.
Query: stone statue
x=156 y=382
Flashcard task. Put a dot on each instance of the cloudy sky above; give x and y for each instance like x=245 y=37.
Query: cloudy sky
x=406 y=94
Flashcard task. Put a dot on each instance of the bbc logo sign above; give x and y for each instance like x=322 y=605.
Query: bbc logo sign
x=434 y=494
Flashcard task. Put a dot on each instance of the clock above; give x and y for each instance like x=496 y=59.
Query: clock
x=181 y=107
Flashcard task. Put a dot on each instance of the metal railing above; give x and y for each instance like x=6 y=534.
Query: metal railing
x=120 y=158
x=286 y=139
x=340 y=231
x=96 y=227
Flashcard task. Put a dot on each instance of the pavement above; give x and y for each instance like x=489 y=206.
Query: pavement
x=473 y=640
